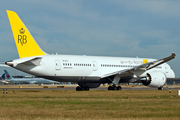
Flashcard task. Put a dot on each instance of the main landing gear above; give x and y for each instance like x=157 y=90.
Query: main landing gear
x=160 y=88
x=79 y=88
x=114 y=87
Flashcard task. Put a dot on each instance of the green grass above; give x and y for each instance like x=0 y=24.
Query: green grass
x=89 y=105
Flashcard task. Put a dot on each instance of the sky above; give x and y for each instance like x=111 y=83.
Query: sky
x=121 y=28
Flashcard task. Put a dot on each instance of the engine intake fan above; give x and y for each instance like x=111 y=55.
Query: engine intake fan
x=146 y=80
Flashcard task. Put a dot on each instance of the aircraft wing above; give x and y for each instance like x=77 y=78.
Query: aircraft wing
x=142 y=67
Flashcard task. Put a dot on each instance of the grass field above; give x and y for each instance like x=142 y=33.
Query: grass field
x=89 y=105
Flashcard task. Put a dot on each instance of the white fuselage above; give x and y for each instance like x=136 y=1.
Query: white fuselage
x=73 y=68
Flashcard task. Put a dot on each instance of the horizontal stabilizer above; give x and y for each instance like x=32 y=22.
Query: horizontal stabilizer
x=36 y=61
x=31 y=61
x=2 y=64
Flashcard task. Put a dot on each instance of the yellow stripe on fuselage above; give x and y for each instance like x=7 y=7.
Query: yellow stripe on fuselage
x=25 y=43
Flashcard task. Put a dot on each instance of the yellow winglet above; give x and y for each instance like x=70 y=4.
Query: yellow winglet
x=25 y=43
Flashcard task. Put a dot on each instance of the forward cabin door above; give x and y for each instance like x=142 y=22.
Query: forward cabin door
x=57 y=65
x=95 y=67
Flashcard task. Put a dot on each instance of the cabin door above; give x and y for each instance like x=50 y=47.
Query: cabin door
x=57 y=65
x=95 y=68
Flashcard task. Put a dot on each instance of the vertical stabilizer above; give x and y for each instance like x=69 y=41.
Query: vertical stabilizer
x=7 y=75
x=25 y=43
x=3 y=76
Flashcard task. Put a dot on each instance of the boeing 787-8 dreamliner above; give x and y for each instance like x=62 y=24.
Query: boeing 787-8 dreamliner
x=87 y=71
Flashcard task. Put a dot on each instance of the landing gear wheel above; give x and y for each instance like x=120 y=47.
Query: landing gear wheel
x=110 y=88
x=86 y=88
x=118 y=88
x=78 y=88
x=160 y=88
x=114 y=87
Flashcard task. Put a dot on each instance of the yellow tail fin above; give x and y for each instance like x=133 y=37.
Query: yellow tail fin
x=25 y=43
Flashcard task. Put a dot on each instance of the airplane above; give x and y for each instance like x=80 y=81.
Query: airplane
x=87 y=71
x=2 y=80
x=8 y=78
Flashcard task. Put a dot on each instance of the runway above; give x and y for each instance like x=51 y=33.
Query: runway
x=74 y=88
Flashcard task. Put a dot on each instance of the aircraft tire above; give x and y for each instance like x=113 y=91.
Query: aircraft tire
x=110 y=88
x=119 y=88
x=160 y=88
x=115 y=88
x=78 y=88
x=86 y=88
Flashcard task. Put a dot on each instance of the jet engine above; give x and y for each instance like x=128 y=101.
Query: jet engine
x=154 y=79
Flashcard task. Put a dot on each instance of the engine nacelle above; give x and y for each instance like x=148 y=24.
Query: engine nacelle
x=155 y=79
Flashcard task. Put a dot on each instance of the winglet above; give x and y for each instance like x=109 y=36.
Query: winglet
x=25 y=43
x=161 y=61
